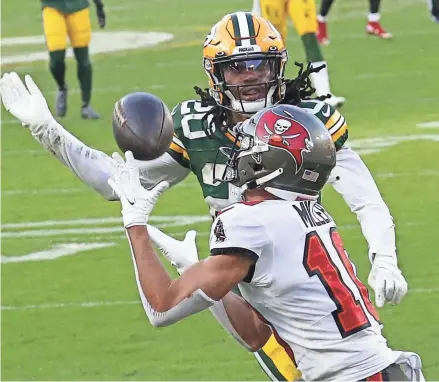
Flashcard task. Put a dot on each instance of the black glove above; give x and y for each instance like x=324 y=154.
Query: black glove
x=101 y=14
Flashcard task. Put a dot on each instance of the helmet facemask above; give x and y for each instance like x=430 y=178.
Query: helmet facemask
x=244 y=156
x=247 y=83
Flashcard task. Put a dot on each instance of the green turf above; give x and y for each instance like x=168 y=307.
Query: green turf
x=390 y=86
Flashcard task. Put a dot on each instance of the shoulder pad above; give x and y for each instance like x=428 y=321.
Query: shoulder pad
x=331 y=118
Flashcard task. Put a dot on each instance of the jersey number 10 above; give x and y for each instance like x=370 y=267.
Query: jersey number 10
x=349 y=316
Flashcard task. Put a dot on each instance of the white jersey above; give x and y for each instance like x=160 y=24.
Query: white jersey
x=304 y=286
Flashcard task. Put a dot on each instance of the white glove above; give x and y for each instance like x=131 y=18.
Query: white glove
x=386 y=280
x=181 y=254
x=26 y=104
x=137 y=203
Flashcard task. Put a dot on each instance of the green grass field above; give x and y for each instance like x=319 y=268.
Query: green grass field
x=78 y=317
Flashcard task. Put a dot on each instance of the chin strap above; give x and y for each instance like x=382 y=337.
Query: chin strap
x=262 y=180
x=289 y=195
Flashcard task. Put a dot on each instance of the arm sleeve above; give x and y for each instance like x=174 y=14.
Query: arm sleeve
x=197 y=302
x=94 y=167
x=353 y=180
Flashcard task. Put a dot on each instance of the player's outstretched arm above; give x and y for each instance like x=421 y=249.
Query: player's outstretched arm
x=28 y=105
x=232 y=312
x=352 y=179
x=93 y=167
x=201 y=286
x=204 y=285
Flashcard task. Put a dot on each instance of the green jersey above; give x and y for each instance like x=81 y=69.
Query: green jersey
x=66 y=6
x=193 y=149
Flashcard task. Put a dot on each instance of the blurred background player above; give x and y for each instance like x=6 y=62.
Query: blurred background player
x=373 y=26
x=303 y=16
x=433 y=6
x=71 y=18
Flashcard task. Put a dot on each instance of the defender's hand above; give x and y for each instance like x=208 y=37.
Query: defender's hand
x=386 y=280
x=181 y=254
x=26 y=104
x=137 y=202
x=102 y=19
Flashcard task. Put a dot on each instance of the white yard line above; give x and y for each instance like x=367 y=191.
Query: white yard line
x=428 y=125
x=401 y=174
x=42 y=191
x=54 y=191
x=105 y=220
x=158 y=221
x=60 y=232
x=57 y=250
x=54 y=223
x=24 y=152
x=94 y=304
x=90 y=304
x=367 y=76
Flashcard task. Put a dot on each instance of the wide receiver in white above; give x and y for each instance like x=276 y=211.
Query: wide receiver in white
x=283 y=251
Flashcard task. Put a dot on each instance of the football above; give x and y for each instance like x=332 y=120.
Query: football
x=142 y=123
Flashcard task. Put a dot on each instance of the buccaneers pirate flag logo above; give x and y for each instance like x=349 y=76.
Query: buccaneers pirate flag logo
x=219 y=233
x=284 y=132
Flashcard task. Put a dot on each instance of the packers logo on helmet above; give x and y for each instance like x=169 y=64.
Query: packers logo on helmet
x=244 y=58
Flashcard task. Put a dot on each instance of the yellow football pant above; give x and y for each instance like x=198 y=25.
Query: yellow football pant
x=303 y=14
x=279 y=364
x=57 y=26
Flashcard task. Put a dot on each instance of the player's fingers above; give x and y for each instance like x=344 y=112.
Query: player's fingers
x=4 y=94
x=400 y=292
x=371 y=280
x=120 y=192
x=397 y=297
x=190 y=236
x=157 y=191
x=6 y=91
x=380 y=285
x=161 y=187
x=14 y=83
x=157 y=236
x=389 y=289
x=115 y=187
x=129 y=157
x=118 y=158
x=18 y=84
x=131 y=162
x=379 y=298
x=160 y=239
x=32 y=86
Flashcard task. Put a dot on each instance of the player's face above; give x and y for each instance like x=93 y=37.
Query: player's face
x=247 y=79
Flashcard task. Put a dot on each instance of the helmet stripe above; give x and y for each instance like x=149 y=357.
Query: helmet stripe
x=251 y=27
x=243 y=27
x=236 y=29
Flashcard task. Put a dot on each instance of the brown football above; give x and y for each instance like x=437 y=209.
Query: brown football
x=142 y=123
